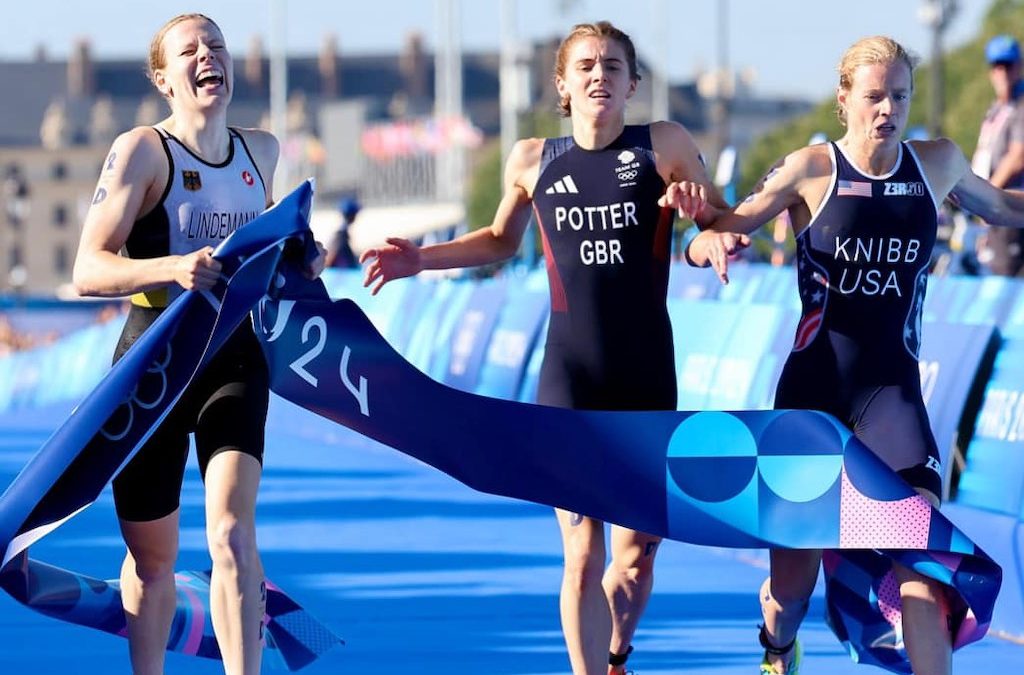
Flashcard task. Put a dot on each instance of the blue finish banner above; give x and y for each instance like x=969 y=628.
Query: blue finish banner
x=795 y=479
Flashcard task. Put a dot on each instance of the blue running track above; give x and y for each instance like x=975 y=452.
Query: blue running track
x=418 y=573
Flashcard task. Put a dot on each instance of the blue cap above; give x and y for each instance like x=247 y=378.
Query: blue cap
x=1002 y=49
x=349 y=207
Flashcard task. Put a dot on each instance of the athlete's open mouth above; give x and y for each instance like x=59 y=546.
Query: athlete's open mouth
x=210 y=79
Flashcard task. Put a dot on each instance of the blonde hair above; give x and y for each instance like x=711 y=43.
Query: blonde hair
x=156 y=59
x=868 y=52
x=601 y=29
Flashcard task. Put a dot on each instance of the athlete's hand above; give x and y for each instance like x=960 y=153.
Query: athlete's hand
x=316 y=266
x=197 y=271
x=399 y=258
x=687 y=198
x=714 y=248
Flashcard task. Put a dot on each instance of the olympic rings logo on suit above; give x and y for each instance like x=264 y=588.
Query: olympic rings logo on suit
x=159 y=368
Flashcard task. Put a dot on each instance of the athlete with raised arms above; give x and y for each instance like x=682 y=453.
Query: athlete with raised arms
x=607 y=244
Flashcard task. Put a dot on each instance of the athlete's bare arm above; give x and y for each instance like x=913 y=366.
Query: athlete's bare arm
x=689 y=190
x=949 y=173
x=794 y=183
x=401 y=258
x=131 y=182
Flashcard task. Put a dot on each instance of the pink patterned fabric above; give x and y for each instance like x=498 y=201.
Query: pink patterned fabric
x=889 y=603
x=869 y=523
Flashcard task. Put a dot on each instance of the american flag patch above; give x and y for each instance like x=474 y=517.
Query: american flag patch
x=854 y=188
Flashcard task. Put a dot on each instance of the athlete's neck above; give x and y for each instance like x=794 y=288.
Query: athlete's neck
x=871 y=156
x=205 y=135
x=595 y=135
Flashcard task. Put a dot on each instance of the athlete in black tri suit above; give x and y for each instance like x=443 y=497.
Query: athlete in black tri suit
x=606 y=245
x=862 y=267
x=605 y=219
x=167 y=195
x=864 y=213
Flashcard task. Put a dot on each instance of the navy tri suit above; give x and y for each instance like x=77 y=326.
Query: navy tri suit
x=606 y=244
x=862 y=265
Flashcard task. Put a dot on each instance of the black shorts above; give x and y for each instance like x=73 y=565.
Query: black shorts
x=225 y=407
x=891 y=419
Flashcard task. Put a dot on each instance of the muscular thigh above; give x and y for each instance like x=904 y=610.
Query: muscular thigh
x=893 y=422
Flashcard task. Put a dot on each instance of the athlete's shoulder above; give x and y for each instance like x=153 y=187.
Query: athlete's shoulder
x=811 y=161
x=526 y=153
x=261 y=143
x=665 y=133
x=142 y=139
x=938 y=150
x=815 y=160
x=137 y=154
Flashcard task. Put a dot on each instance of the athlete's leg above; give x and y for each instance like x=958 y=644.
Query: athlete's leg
x=586 y=620
x=925 y=623
x=627 y=583
x=895 y=426
x=147 y=589
x=237 y=590
x=146 y=494
x=784 y=598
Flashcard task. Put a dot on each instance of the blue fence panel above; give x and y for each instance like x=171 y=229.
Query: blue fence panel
x=692 y=283
x=993 y=478
x=516 y=335
x=432 y=333
x=464 y=354
x=952 y=357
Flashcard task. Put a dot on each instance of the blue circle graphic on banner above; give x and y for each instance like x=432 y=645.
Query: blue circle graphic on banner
x=712 y=456
x=801 y=455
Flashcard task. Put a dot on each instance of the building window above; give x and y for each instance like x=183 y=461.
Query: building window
x=16 y=194
x=60 y=215
x=59 y=171
x=60 y=259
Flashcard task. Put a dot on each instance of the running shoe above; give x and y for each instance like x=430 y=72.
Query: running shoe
x=794 y=665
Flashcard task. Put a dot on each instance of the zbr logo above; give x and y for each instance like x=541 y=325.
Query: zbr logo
x=247 y=178
x=912 y=189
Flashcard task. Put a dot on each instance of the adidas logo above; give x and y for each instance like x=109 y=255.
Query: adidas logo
x=562 y=186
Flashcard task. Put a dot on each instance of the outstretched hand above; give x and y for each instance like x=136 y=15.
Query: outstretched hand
x=714 y=248
x=399 y=258
x=687 y=198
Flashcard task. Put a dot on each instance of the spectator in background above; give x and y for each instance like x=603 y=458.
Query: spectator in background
x=999 y=157
x=339 y=250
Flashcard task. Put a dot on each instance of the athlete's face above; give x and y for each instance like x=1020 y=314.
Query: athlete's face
x=198 y=71
x=597 y=81
x=878 y=102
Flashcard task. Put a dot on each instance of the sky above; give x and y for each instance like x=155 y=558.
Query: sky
x=793 y=45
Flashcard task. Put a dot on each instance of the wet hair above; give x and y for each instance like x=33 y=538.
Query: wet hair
x=601 y=29
x=867 y=52
x=156 y=46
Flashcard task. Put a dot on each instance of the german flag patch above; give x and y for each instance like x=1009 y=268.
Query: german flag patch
x=191 y=180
